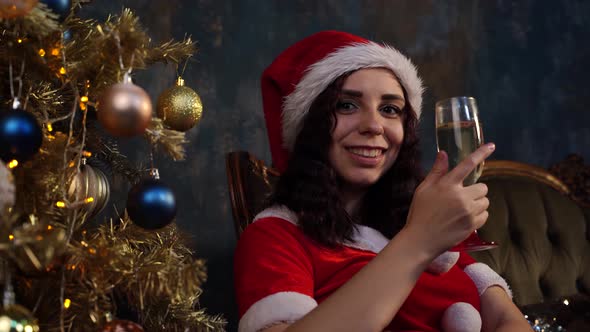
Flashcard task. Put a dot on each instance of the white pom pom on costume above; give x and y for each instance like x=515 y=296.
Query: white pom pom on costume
x=461 y=317
x=443 y=263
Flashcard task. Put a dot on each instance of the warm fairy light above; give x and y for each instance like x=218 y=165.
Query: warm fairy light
x=89 y=200
x=13 y=163
x=19 y=40
x=82 y=106
x=49 y=227
x=72 y=164
x=11 y=237
x=87 y=154
x=62 y=70
x=84 y=99
x=60 y=204
x=92 y=251
x=42 y=52
x=83 y=243
x=49 y=127
x=29 y=328
x=55 y=52
x=67 y=303
x=566 y=302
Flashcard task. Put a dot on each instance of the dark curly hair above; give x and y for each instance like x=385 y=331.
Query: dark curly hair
x=309 y=185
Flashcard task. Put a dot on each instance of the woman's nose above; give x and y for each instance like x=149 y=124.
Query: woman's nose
x=370 y=123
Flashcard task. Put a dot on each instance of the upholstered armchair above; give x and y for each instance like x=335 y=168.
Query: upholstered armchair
x=544 y=234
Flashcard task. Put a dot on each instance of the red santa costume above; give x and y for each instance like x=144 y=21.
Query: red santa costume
x=280 y=273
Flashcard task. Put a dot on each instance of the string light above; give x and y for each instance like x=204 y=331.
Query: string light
x=19 y=40
x=13 y=163
x=84 y=99
x=49 y=127
x=11 y=237
x=62 y=71
x=67 y=303
x=55 y=52
x=60 y=204
x=41 y=52
x=87 y=154
x=89 y=200
x=49 y=227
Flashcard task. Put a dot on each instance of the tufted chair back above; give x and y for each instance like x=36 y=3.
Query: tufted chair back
x=544 y=235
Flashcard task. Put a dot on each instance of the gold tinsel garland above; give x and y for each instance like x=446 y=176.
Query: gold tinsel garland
x=90 y=269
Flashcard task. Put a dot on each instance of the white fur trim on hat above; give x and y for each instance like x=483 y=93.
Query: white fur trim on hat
x=484 y=277
x=346 y=59
x=282 y=307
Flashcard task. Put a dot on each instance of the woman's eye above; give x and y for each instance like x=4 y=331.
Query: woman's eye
x=391 y=110
x=345 y=106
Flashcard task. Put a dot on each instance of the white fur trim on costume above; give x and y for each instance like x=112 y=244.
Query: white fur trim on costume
x=364 y=237
x=277 y=211
x=461 y=317
x=346 y=59
x=443 y=263
x=367 y=238
x=282 y=307
x=484 y=277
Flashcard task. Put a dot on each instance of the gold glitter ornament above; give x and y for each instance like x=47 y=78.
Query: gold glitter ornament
x=180 y=107
x=16 y=8
x=16 y=318
x=90 y=187
x=125 y=109
x=7 y=189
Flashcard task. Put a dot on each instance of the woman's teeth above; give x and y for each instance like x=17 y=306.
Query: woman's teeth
x=370 y=153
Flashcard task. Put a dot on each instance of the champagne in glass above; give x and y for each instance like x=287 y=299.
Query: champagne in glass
x=458 y=133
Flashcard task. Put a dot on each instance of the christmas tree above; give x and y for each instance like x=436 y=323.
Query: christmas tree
x=67 y=97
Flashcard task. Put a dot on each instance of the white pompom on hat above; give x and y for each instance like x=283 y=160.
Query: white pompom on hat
x=303 y=71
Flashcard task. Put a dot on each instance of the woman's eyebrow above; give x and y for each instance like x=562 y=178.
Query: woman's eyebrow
x=352 y=93
x=392 y=97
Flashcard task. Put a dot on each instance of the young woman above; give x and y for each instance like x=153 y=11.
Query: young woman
x=354 y=238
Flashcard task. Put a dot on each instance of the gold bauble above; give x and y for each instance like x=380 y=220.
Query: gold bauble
x=16 y=8
x=7 y=189
x=125 y=109
x=180 y=107
x=90 y=182
x=16 y=318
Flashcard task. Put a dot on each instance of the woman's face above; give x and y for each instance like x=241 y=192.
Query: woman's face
x=369 y=127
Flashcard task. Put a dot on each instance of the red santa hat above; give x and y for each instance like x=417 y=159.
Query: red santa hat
x=299 y=74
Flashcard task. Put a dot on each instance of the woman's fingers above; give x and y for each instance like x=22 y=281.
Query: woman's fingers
x=476 y=191
x=460 y=172
x=480 y=205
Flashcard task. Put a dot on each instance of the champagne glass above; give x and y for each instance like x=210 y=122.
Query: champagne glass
x=459 y=133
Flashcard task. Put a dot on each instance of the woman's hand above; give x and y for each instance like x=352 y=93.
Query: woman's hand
x=443 y=211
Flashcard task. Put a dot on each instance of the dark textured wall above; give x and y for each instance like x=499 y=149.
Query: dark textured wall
x=525 y=61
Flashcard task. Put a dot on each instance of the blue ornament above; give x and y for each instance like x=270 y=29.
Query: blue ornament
x=151 y=204
x=20 y=135
x=67 y=35
x=60 y=7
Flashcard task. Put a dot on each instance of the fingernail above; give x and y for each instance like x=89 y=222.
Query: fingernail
x=491 y=146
